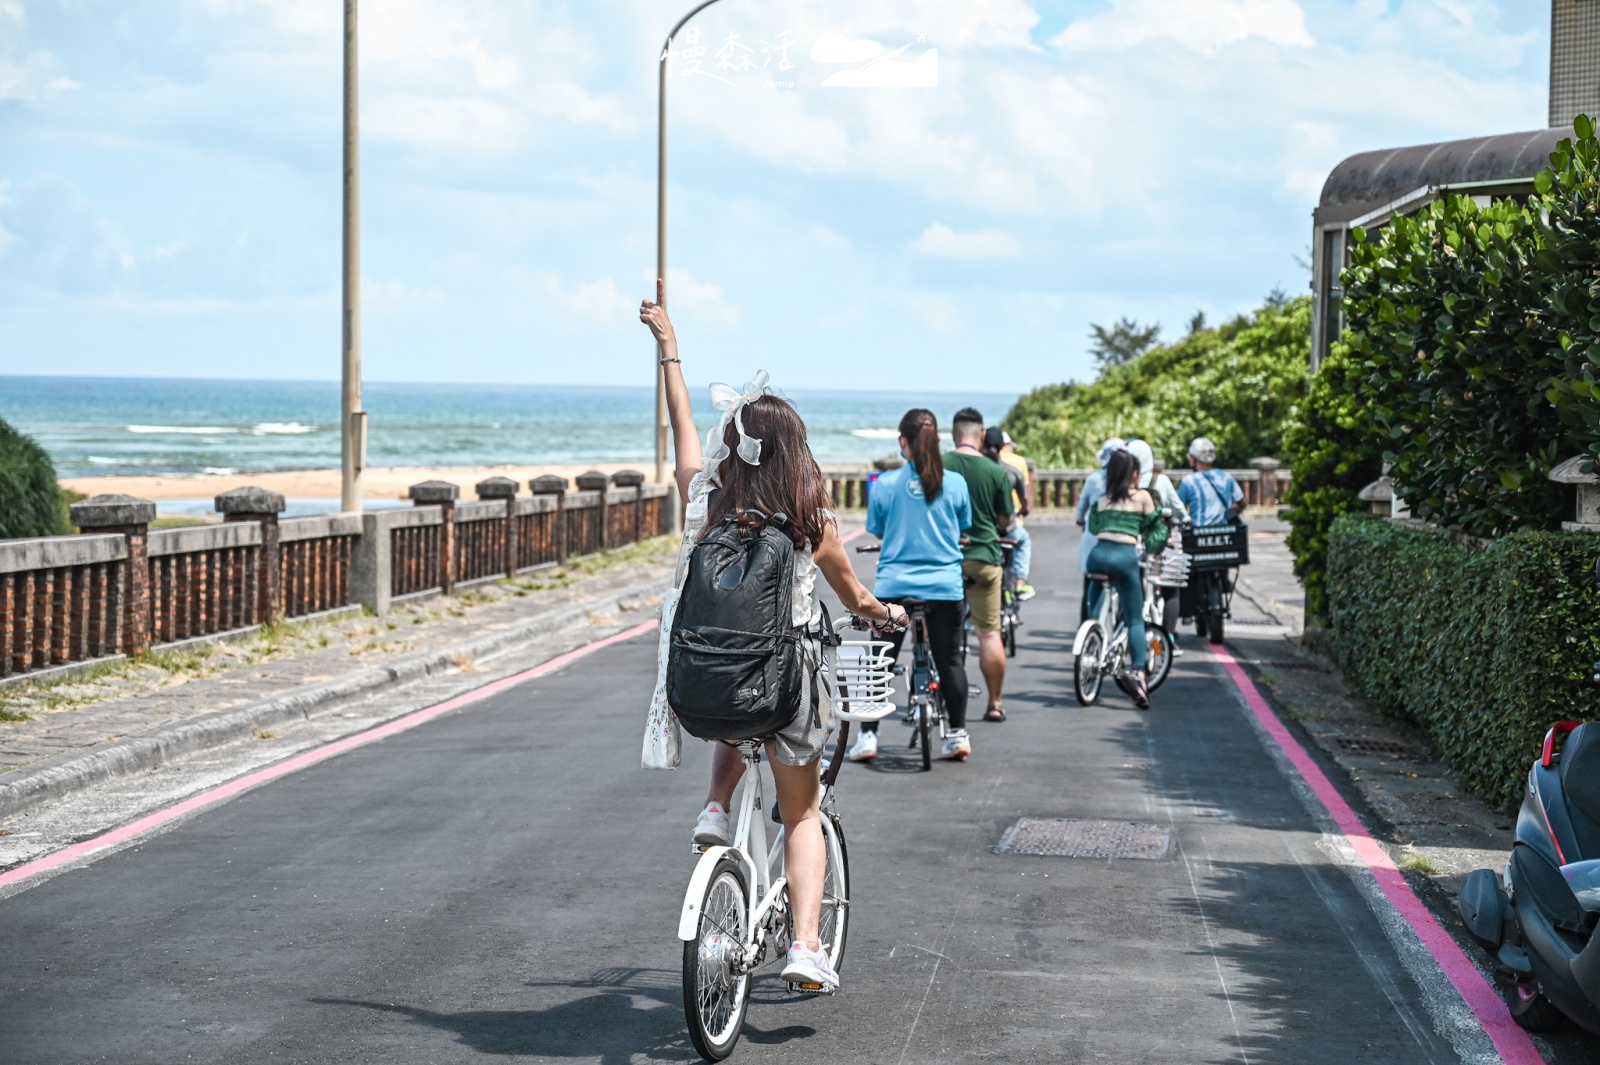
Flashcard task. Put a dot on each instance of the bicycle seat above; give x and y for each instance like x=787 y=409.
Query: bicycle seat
x=1006 y=541
x=1103 y=578
x=914 y=605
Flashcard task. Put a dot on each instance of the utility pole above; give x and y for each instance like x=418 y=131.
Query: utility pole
x=352 y=419
x=661 y=235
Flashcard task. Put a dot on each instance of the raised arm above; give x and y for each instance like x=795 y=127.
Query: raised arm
x=685 y=439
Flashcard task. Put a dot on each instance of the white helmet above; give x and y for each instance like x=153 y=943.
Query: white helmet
x=1140 y=450
x=1203 y=450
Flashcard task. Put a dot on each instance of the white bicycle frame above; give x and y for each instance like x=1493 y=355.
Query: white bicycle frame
x=749 y=839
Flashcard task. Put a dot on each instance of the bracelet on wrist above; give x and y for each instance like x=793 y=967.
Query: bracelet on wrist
x=665 y=361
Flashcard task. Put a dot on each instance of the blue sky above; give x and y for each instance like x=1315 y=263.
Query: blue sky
x=169 y=177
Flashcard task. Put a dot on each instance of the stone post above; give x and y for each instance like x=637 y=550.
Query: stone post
x=1268 y=467
x=131 y=517
x=442 y=494
x=260 y=505
x=371 y=565
x=633 y=479
x=504 y=488
x=551 y=485
x=592 y=481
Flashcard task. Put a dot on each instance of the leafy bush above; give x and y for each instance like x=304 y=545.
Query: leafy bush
x=30 y=499
x=1334 y=454
x=1447 y=324
x=1237 y=384
x=1481 y=648
x=1570 y=265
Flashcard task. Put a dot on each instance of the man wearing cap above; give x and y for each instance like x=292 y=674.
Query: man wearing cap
x=1093 y=488
x=1208 y=493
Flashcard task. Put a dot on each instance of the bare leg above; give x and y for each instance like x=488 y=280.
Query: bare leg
x=727 y=766
x=804 y=855
x=992 y=660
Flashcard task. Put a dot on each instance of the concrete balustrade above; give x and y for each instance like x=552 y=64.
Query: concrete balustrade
x=121 y=588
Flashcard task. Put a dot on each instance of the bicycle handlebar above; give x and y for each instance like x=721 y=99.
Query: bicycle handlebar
x=867 y=549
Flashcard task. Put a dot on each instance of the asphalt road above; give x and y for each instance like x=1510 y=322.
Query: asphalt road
x=505 y=881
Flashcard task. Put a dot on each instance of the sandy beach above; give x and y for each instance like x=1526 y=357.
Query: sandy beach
x=389 y=482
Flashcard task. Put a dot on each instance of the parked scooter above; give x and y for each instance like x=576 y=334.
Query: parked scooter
x=1538 y=916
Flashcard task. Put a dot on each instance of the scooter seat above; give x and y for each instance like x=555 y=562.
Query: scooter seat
x=1580 y=780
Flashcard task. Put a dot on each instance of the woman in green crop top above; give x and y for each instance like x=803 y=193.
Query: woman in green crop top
x=1117 y=520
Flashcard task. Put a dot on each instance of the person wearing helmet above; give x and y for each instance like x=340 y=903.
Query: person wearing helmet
x=1159 y=485
x=1210 y=494
x=1093 y=488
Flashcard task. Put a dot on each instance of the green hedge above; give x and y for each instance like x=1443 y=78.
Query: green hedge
x=1480 y=647
x=31 y=503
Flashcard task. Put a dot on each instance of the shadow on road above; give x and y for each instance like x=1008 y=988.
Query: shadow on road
x=609 y=1025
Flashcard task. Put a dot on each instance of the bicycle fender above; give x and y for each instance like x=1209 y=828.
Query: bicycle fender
x=690 y=917
x=1083 y=634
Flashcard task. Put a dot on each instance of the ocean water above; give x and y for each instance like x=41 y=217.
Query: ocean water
x=97 y=426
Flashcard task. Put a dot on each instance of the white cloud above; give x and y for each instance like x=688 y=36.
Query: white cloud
x=834 y=47
x=891 y=73
x=1206 y=26
x=596 y=301
x=701 y=298
x=940 y=240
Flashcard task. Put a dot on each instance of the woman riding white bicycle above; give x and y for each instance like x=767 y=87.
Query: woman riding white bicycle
x=757 y=458
x=919 y=511
x=1118 y=520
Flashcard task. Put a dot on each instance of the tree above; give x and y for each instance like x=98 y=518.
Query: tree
x=30 y=499
x=1197 y=323
x=1122 y=343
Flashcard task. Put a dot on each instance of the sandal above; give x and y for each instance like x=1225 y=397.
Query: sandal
x=994 y=713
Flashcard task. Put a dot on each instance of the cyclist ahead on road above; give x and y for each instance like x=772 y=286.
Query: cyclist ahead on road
x=919 y=512
x=1118 y=520
x=1160 y=486
x=991 y=512
x=998 y=446
x=758 y=459
x=1208 y=493
x=1094 y=486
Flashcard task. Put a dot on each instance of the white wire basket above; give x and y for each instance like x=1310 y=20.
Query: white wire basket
x=863 y=680
x=1170 y=569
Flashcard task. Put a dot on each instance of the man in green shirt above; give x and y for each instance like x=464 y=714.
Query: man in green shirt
x=992 y=507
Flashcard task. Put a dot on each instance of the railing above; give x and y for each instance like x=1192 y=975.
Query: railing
x=1263 y=485
x=121 y=588
x=59 y=600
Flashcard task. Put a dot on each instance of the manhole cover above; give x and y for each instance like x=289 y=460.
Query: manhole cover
x=1356 y=745
x=1064 y=837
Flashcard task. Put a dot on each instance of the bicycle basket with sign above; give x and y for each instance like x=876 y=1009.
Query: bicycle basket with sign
x=1217 y=546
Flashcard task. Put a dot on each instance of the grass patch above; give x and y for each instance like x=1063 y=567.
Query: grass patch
x=1419 y=863
x=7 y=714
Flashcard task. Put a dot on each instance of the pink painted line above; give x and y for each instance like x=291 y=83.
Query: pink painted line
x=1514 y=1045
x=860 y=530
x=222 y=792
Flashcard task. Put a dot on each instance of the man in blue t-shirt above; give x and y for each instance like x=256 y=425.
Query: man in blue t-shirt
x=1208 y=492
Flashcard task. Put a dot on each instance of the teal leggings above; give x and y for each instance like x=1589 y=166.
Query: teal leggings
x=1120 y=562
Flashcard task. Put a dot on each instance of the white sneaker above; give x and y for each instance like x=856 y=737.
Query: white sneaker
x=957 y=746
x=713 y=829
x=810 y=967
x=864 y=748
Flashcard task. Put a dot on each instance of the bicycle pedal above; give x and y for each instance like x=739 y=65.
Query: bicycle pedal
x=810 y=989
x=699 y=848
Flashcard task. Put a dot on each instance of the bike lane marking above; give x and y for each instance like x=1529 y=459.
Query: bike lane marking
x=1513 y=1044
x=210 y=797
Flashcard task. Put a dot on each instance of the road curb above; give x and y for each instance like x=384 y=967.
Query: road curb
x=65 y=774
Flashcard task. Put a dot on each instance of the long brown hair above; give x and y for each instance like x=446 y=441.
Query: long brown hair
x=1122 y=470
x=787 y=482
x=921 y=430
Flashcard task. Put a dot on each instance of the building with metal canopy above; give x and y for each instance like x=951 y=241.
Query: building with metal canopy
x=1370 y=188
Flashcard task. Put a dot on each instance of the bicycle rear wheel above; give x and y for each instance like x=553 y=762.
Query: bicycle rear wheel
x=925 y=729
x=834 y=928
x=715 y=995
x=1087 y=667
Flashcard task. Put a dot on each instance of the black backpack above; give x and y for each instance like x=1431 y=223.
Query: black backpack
x=734 y=669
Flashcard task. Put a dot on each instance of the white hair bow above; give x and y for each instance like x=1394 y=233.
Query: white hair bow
x=731 y=402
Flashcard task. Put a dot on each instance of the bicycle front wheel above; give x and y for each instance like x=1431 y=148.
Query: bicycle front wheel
x=1158 y=656
x=834 y=927
x=715 y=992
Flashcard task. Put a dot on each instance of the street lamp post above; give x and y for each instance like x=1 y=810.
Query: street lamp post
x=352 y=419
x=661 y=234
